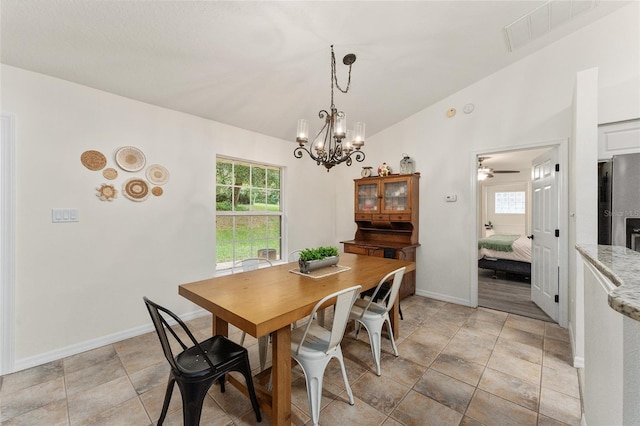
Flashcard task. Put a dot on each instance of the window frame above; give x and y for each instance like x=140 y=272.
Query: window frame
x=225 y=267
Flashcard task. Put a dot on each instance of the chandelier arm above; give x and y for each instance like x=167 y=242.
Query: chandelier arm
x=323 y=114
x=298 y=152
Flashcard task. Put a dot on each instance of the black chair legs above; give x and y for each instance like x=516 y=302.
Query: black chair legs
x=193 y=395
x=252 y=392
x=167 y=400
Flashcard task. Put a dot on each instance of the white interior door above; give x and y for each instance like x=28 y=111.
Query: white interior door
x=544 y=266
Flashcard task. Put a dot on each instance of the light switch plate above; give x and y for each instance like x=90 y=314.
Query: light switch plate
x=451 y=198
x=64 y=215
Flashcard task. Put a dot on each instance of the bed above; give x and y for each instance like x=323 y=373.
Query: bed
x=505 y=253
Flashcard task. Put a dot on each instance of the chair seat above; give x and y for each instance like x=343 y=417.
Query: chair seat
x=375 y=309
x=315 y=344
x=219 y=350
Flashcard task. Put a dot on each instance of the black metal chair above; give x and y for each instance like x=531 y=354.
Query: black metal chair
x=197 y=367
x=389 y=253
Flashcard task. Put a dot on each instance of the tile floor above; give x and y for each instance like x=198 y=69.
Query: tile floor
x=457 y=365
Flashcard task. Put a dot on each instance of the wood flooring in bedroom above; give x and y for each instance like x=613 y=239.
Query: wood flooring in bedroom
x=511 y=295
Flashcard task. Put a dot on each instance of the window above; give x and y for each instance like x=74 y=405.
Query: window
x=248 y=211
x=512 y=202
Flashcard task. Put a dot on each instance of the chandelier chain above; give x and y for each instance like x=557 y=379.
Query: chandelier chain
x=334 y=76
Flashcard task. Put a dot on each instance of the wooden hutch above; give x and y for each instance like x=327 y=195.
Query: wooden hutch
x=386 y=214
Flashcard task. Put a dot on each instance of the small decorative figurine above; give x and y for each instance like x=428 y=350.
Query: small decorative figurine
x=406 y=165
x=384 y=170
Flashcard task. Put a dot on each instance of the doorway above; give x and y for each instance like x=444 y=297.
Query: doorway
x=506 y=221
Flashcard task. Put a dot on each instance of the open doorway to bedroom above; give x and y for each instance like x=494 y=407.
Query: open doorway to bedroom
x=505 y=222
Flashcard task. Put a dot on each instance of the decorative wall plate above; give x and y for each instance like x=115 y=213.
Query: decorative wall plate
x=136 y=189
x=107 y=192
x=157 y=191
x=93 y=160
x=130 y=158
x=157 y=174
x=110 y=173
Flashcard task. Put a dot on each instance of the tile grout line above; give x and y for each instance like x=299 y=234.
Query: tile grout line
x=555 y=354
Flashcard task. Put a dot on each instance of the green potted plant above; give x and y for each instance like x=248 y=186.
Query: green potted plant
x=319 y=257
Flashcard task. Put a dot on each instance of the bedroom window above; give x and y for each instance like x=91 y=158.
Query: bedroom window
x=511 y=202
x=248 y=211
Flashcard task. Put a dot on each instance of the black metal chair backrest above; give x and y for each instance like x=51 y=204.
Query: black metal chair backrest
x=161 y=325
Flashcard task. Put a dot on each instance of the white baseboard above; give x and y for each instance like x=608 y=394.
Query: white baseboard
x=88 y=345
x=443 y=297
x=578 y=361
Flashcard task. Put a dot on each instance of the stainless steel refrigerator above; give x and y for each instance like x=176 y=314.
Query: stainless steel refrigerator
x=619 y=201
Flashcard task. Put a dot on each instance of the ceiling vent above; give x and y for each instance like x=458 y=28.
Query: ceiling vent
x=543 y=19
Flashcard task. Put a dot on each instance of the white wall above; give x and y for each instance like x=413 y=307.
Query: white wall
x=81 y=284
x=526 y=103
x=583 y=200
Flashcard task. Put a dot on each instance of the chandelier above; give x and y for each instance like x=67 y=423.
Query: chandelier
x=333 y=144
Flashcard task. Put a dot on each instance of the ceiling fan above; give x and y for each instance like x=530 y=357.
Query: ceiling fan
x=487 y=172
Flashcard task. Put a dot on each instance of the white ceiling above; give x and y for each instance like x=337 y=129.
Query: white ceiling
x=262 y=65
x=512 y=160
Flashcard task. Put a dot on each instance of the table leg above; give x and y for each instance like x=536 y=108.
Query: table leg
x=219 y=326
x=281 y=374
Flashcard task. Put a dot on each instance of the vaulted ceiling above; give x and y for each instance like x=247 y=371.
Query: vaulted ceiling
x=262 y=65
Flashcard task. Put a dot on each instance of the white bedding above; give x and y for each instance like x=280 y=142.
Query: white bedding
x=521 y=251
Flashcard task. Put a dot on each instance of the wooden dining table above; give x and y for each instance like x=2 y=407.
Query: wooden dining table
x=268 y=300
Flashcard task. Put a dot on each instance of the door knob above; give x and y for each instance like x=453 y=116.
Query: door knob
x=530 y=236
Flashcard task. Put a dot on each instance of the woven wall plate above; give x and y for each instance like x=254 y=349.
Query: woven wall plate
x=157 y=174
x=107 y=192
x=130 y=158
x=110 y=173
x=157 y=191
x=136 y=189
x=93 y=160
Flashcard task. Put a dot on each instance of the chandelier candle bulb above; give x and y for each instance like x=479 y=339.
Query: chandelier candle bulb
x=346 y=145
x=318 y=144
x=341 y=125
x=303 y=132
x=358 y=135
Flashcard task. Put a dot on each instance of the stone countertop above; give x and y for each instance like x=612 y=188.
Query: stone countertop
x=622 y=267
